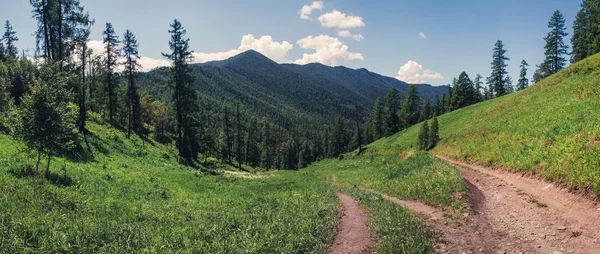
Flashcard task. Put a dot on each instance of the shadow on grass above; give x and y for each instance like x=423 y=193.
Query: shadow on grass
x=27 y=171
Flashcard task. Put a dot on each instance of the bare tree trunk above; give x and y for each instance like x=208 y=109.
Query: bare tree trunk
x=60 y=34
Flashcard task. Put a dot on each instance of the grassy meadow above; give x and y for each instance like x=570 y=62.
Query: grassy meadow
x=551 y=129
x=134 y=197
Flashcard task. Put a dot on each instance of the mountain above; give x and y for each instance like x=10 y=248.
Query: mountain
x=360 y=85
x=549 y=129
x=307 y=95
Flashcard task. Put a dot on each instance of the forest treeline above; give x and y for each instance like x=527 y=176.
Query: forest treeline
x=46 y=99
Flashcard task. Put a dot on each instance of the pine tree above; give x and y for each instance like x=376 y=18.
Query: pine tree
x=81 y=37
x=184 y=94
x=9 y=38
x=266 y=155
x=252 y=153
x=424 y=136
x=555 y=47
x=339 y=141
x=498 y=77
x=425 y=112
x=433 y=135
x=586 y=31
x=377 y=119
x=358 y=134
x=58 y=22
x=131 y=64
x=523 y=81
x=479 y=90
x=391 y=121
x=111 y=41
x=409 y=112
x=226 y=137
x=238 y=136
x=47 y=122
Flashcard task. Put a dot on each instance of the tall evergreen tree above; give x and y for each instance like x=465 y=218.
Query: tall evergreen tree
x=497 y=80
x=424 y=136
x=377 y=119
x=266 y=155
x=58 y=21
x=358 y=140
x=226 y=136
x=184 y=94
x=252 y=153
x=131 y=64
x=523 y=81
x=237 y=142
x=433 y=135
x=426 y=112
x=479 y=90
x=586 y=31
x=111 y=41
x=82 y=36
x=409 y=112
x=339 y=141
x=391 y=121
x=9 y=38
x=555 y=47
x=464 y=92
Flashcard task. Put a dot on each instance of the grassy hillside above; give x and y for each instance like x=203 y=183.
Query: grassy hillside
x=132 y=196
x=551 y=129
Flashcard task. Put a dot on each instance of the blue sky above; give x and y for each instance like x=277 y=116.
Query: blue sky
x=382 y=36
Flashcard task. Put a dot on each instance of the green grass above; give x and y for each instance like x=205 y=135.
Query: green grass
x=551 y=129
x=418 y=177
x=134 y=197
x=397 y=229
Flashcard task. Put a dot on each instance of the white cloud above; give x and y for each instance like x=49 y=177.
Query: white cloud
x=422 y=35
x=328 y=50
x=348 y=34
x=413 y=73
x=308 y=9
x=277 y=51
x=340 y=20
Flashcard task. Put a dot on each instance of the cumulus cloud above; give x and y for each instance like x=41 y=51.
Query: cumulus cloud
x=413 y=73
x=308 y=9
x=328 y=50
x=422 y=35
x=277 y=51
x=348 y=34
x=340 y=20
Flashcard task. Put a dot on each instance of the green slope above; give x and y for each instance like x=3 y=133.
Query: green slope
x=551 y=129
x=130 y=196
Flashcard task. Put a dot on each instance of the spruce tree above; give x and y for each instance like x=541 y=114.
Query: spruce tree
x=47 y=123
x=238 y=136
x=226 y=139
x=409 y=112
x=358 y=134
x=586 y=31
x=131 y=64
x=266 y=155
x=497 y=79
x=425 y=112
x=433 y=135
x=9 y=38
x=339 y=141
x=377 y=119
x=523 y=81
x=391 y=121
x=111 y=41
x=479 y=90
x=555 y=47
x=424 y=136
x=184 y=93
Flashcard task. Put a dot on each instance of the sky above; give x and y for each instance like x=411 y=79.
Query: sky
x=427 y=41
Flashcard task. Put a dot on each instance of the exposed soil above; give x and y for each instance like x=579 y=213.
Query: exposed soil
x=352 y=236
x=516 y=214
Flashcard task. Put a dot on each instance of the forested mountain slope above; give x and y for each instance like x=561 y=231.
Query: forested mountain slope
x=290 y=95
x=550 y=129
x=360 y=85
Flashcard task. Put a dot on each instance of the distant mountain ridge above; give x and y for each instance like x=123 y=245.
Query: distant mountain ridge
x=309 y=95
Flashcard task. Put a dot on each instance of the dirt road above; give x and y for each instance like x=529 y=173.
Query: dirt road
x=515 y=214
